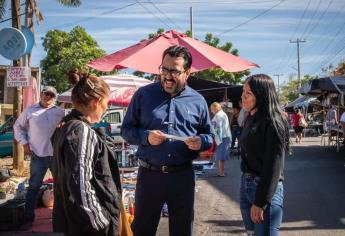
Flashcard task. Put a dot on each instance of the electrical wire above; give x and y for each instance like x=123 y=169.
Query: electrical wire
x=311 y=19
x=288 y=56
x=92 y=17
x=251 y=19
x=148 y=10
x=171 y=21
x=319 y=19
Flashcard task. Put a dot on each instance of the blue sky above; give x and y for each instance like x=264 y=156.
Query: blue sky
x=259 y=29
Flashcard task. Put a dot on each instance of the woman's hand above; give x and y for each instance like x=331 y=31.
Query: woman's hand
x=256 y=214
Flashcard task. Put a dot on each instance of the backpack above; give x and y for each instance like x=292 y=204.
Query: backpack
x=302 y=122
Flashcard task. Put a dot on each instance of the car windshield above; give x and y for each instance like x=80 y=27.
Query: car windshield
x=7 y=126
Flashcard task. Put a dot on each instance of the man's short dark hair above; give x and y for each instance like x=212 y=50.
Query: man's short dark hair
x=179 y=51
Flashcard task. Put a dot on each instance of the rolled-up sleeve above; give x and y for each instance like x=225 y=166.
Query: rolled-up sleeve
x=130 y=129
x=19 y=128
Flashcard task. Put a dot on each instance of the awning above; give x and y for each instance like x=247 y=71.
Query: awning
x=214 y=91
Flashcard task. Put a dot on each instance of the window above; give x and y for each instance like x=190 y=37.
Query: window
x=113 y=118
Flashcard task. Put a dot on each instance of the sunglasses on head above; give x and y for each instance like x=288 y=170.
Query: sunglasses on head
x=49 y=94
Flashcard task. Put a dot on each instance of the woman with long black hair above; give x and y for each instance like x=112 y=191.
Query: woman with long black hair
x=263 y=141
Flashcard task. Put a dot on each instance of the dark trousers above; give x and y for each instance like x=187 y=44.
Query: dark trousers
x=155 y=188
x=235 y=134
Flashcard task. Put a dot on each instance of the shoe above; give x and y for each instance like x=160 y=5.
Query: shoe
x=26 y=226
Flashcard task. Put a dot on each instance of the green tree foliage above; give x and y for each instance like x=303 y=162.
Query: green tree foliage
x=217 y=74
x=289 y=90
x=65 y=51
x=214 y=74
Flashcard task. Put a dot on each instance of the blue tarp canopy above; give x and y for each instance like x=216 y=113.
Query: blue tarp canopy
x=302 y=102
x=317 y=87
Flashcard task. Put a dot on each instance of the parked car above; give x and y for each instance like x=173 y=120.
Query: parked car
x=6 y=138
x=111 y=124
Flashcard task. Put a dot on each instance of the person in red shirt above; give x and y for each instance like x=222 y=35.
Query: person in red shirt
x=298 y=129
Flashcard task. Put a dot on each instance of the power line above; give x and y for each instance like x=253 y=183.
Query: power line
x=251 y=19
x=10 y=18
x=331 y=23
x=148 y=10
x=287 y=56
x=311 y=19
x=320 y=18
x=93 y=17
x=300 y=20
x=332 y=57
x=330 y=43
x=298 y=41
x=171 y=21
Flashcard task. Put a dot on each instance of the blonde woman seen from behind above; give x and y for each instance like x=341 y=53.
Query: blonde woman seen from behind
x=221 y=129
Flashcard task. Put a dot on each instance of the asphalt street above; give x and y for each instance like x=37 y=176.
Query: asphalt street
x=314 y=201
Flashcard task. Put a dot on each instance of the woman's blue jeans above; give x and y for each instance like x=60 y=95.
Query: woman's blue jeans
x=273 y=214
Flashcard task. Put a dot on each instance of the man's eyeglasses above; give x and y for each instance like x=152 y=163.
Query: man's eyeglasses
x=48 y=94
x=174 y=73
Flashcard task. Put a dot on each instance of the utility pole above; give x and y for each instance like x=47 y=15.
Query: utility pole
x=191 y=21
x=278 y=85
x=298 y=41
x=18 y=152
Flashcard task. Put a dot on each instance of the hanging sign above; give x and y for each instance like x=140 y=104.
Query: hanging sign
x=18 y=76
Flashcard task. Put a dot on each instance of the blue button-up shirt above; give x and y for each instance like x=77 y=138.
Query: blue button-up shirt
x=185 y=114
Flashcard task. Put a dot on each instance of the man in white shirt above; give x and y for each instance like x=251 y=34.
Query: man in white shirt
x=33 y=129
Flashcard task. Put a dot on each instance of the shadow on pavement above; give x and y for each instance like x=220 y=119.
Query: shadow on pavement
x=314 y=190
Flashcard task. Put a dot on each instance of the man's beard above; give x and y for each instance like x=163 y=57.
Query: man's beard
x=176 y=86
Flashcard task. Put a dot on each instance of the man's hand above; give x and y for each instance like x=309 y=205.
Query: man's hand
x=27 y=150
x=156 y=137
x=256 y=214
x=194 y=143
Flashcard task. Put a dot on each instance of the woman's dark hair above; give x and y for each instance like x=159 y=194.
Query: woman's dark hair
x=179 y=51
x=297 y=110
x=87 y=87
x=267 y=105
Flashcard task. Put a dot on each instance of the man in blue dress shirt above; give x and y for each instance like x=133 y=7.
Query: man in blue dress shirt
x=167 y=107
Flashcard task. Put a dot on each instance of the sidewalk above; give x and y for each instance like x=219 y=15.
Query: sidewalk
x=314 y=195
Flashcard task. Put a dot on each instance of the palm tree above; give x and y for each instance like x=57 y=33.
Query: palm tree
x=33 y=4
x=31 y=9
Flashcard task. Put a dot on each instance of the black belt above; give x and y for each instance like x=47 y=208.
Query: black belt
x=165 y=169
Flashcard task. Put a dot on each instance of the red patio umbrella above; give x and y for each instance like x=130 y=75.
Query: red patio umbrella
x=146 y=56
x=122 y=88
x=121 y=96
